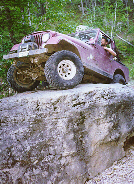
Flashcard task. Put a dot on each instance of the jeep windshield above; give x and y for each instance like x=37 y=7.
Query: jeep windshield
x=85 y=36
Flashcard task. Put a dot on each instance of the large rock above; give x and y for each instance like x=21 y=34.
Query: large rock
x=65 y=136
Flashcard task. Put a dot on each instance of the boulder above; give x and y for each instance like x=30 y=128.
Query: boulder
x=64 y=136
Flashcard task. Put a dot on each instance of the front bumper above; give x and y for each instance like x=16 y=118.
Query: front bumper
x=26 y=53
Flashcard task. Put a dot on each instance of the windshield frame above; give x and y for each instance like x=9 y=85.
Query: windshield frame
x=86 y=33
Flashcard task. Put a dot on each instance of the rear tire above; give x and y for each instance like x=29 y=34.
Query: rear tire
x=64 y=70
x=119 y=79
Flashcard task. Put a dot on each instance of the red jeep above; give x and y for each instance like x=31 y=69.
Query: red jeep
x=63 y=61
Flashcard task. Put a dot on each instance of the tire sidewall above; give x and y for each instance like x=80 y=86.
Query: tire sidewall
x=119 y=79
x=51 y=67
x=12 y=79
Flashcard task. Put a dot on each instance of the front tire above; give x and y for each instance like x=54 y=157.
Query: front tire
x=19 y=80
x=64 y=70
x=119 y=79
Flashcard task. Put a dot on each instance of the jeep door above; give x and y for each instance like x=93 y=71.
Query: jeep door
x=103 y=60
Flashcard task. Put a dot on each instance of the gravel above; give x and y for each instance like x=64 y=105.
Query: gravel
x=121 y=172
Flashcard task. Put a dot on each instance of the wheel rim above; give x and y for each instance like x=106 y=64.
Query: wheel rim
x=22 y=78
x=66 y=69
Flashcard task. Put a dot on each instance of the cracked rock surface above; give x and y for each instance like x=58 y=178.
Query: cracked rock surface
x=64 y=136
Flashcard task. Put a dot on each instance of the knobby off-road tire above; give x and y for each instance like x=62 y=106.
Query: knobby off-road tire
x=20 y=82
x=64 y=70
x=119 y=79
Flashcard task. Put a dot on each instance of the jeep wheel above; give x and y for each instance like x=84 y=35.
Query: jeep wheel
x=64 y=70
x=119 y=79
x=19 y=80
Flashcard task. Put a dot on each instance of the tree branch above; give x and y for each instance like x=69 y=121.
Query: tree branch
x=124 y=40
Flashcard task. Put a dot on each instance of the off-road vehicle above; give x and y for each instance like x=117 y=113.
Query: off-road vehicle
x=63 y=61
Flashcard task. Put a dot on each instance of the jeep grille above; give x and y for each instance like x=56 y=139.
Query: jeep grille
x=38 y=38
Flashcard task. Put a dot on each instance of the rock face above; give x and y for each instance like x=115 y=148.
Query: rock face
x=65 y=136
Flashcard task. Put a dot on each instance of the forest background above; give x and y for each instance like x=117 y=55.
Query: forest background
x=21 y=17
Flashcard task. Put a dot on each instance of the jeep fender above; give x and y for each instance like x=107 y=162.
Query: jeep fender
x=15 y=47
x=60 y=43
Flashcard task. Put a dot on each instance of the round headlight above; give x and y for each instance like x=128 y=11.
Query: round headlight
x=45 y=37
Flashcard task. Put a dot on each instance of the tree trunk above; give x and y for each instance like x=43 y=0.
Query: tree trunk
x=82 y=7
x=10 y=25
x=43 y=9
x=93 y=7
x=115 y=14
x=29 y=15
x=127 y=13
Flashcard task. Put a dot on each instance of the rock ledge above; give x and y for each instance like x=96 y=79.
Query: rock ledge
x=65 y=136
